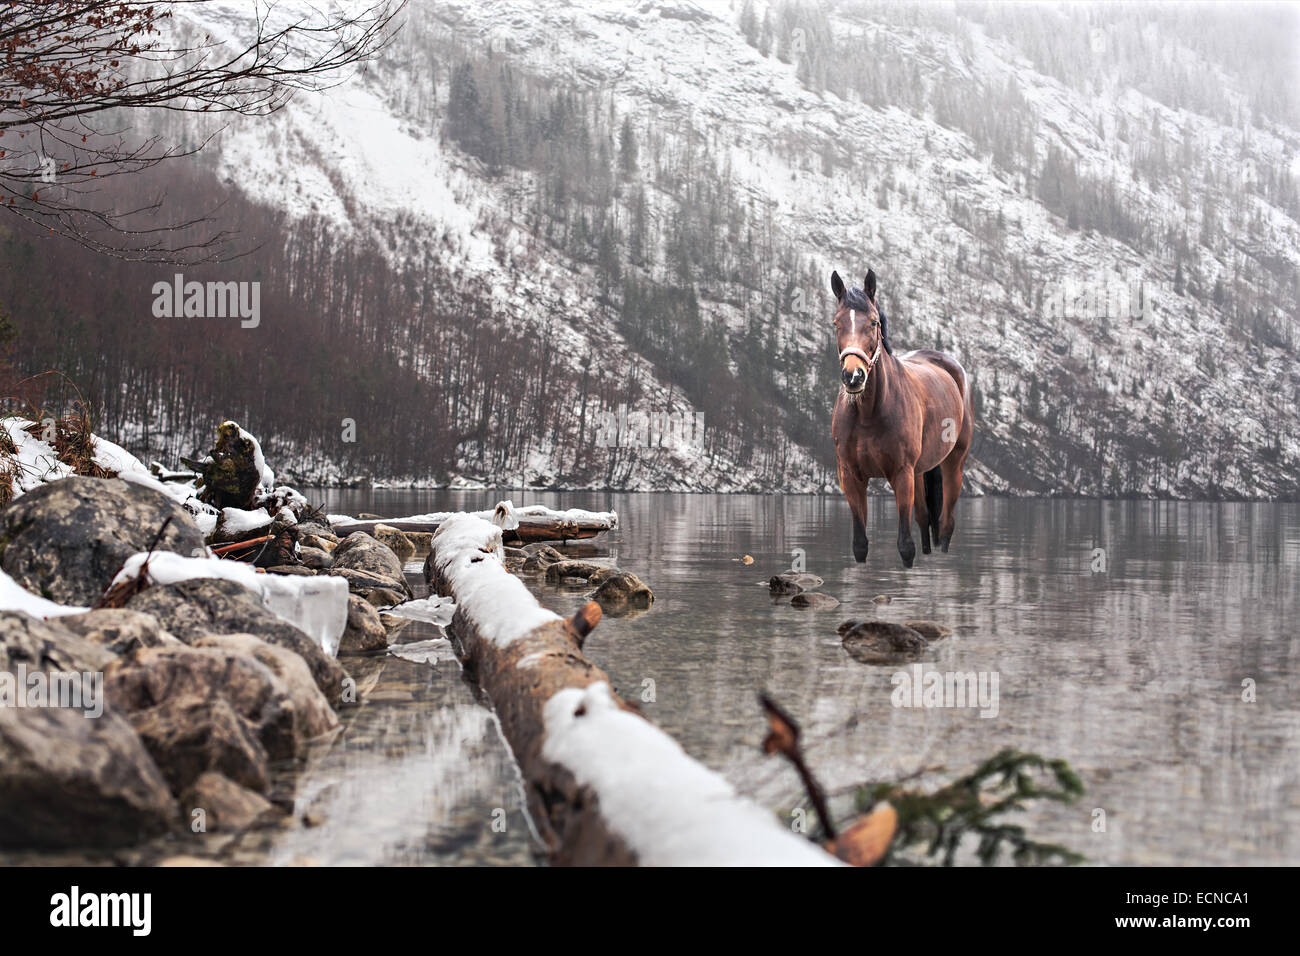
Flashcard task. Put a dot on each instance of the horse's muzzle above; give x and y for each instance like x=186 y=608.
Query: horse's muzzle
x=855 y=380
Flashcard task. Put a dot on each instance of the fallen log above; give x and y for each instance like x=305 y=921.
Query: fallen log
x=525 y=525
x=604 y=785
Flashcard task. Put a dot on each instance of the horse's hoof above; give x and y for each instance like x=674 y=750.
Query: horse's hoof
x=944 y=545
x=925 y=549
x=860 y=558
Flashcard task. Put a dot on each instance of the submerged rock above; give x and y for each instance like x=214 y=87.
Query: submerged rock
x=793 y=582
x=68 y=781
x=929 y=630
x=540 y=557
x=66 y=540
x=193 y=609
x=623 y=589
x=226 y=806
x=815 y=600
x=881 y=642
x=365 y=633
x=558 y=570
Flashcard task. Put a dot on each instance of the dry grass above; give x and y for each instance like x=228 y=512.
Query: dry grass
x=73 y=440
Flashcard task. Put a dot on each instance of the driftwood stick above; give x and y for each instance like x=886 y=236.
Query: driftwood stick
x=783 y=738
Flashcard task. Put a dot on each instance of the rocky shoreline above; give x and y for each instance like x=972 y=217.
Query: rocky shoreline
x=148 y=686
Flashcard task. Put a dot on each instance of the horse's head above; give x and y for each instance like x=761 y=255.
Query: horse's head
x=858 y=333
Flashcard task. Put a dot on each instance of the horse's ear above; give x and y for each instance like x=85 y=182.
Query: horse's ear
x=870 y=284
x=837 y=286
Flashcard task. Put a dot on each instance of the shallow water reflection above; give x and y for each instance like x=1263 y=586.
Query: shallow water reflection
x=1132 y=670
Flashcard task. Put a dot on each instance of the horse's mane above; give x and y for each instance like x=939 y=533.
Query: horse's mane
x=857 y=300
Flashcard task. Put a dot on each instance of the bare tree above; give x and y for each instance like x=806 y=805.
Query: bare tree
x=72 y=72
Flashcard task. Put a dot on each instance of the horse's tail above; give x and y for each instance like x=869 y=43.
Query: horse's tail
x=934 y=498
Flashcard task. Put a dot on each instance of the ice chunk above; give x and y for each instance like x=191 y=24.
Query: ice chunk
x=318 y=605
x=424 y=652
x=432 y=610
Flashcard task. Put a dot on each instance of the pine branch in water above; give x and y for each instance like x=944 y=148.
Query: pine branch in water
x=976 y=806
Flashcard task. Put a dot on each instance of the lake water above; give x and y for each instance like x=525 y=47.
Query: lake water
x=1131 y=662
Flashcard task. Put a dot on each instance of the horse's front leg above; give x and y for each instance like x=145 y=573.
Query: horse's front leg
x=859 y=540
x=904 y=494
x=856 y=493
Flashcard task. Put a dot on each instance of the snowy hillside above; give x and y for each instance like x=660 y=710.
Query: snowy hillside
x=1011 y=217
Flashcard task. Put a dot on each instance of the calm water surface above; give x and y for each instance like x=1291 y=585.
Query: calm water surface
x=1133 y=673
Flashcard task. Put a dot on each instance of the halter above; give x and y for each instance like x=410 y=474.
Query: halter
x=870 y=360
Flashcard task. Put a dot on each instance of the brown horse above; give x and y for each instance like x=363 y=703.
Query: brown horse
x=906 y=419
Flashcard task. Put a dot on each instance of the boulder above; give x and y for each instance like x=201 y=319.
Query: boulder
x=363 y=582
x=67 y=539
x=118 y=630
x=152 y=677
x=226 y=806
x=318 y=559
x=881 y=642
x=383 y=597
x=423 y=540
x=318 y=527
x=193 y=609
x=396 y=541
x=291 y=569
x=309 y=539
x=313 y=715
x=360 y=552
x=366 y=633
x=622 y=590
x=187 y=736
x=68 y=781
x=47 y=646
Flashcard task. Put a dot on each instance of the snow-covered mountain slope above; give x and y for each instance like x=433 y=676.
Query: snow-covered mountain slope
x=979 y=238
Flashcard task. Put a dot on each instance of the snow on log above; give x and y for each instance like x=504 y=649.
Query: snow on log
x=523 y=525
x=604 y=785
